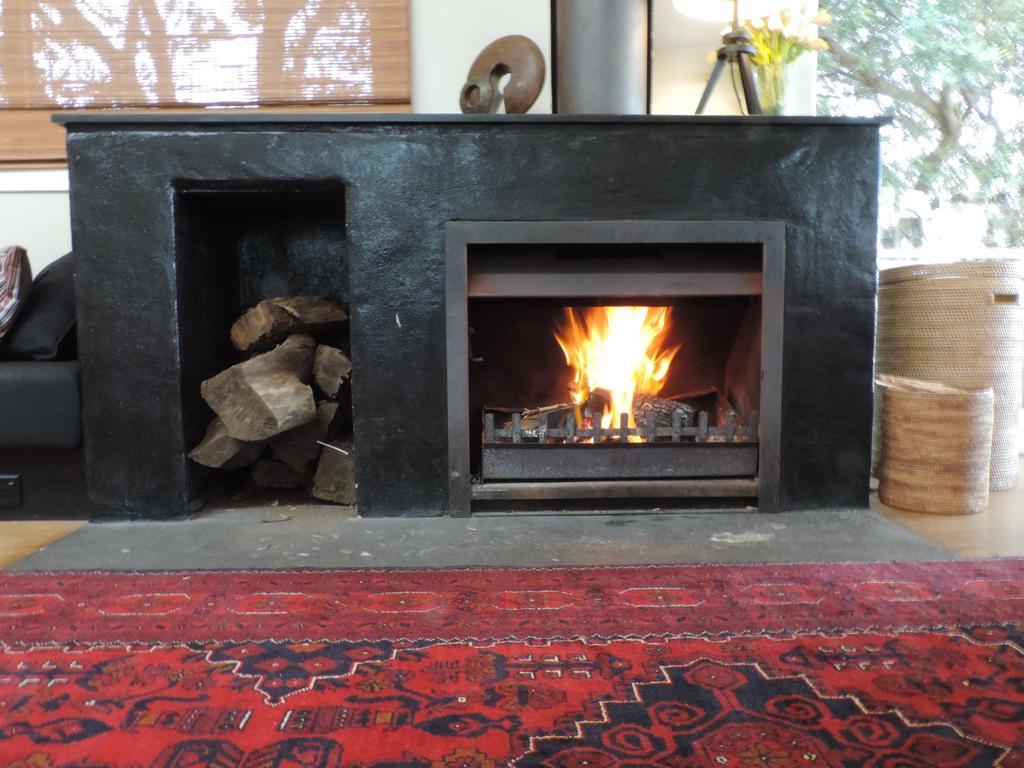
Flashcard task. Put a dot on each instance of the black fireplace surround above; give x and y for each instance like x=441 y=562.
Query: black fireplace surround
x=179 y=223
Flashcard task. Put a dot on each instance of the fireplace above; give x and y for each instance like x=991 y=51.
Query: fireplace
x=754 y=236
x=682 y=326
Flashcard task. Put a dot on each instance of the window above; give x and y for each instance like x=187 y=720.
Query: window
x=951 y=72
x=188 y=54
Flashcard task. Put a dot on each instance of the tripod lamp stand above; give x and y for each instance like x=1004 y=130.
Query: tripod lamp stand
x=736 y=44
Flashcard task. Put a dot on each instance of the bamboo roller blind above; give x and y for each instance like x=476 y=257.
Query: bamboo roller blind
x=95 y=54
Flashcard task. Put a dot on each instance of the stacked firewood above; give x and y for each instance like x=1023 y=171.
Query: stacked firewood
x=281 y=411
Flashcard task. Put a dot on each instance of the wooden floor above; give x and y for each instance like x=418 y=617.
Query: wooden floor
x=997 y=532
x=18 y=540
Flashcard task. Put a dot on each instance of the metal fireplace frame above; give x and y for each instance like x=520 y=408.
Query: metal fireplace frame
x=769 y=283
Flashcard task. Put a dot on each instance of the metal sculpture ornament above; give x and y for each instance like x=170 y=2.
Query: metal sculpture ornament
x=514 y=55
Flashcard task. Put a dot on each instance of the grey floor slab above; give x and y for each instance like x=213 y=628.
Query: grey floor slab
x=321 y=537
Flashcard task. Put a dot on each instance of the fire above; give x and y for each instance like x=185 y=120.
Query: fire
x=618 y=349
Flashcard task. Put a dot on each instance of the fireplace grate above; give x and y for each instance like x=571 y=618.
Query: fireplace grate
x=682 y=428
x=682 y=450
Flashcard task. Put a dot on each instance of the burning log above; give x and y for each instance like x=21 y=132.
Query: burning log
x=705 y=399
x=272 y=320
x=221 y=451
x=331 y=368
x=336 y=474
x=268 y=473
x=552 y=415
x=558 y=407
x=646 y=406
x=266 y=395
x=300 y=446
x=649 y=414
x=598 y=401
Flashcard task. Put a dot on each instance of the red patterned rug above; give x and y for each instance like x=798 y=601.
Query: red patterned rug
x=887 y=665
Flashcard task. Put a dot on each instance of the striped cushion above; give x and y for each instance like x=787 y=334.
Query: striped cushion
x=15 y=281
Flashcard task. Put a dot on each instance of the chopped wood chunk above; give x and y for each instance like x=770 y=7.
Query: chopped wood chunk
x=298 y=447
x=266 y=395
x=221 y=451
x=314 y=312
x=261 y=327
x=330 y=368
x=272 y=320
x=336 y=475
x=268 y=473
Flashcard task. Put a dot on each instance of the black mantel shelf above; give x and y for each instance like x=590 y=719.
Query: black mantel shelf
x=180 y=221
x=242 y=117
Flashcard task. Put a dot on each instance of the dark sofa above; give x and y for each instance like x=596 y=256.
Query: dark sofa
x=41 y=460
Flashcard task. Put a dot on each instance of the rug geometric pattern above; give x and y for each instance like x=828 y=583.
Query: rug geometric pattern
x=190 y=669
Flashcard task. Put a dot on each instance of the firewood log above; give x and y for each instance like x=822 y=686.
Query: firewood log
x=221 y=451
x=266 y=395
x=316 y=314
x=335 y=478
x=299 y=447
x=261 y=327
x=330 y=369
x=268 y=473
x=645 y=406
x=532 y=418
x=598 y=400
x=272 y=320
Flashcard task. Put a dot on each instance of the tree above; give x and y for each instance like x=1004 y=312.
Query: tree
x=951 y=72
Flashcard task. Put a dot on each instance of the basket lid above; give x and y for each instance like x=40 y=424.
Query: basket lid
x=922 y=386
x=982 y=268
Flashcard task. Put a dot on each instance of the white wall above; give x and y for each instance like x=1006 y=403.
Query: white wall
x=34 y=214
x=678 y=80
x=447 y=35
x=684 y=53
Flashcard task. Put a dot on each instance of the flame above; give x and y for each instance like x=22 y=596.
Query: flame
x=618 y=349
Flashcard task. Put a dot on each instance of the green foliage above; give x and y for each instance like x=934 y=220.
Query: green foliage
x=951 y=72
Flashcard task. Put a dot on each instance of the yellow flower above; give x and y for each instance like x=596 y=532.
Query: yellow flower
x=784 y=37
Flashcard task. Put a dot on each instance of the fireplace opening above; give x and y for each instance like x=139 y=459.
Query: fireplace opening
x=570 y=390
x=614 y=364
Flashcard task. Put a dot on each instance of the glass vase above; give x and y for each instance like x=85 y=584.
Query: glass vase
x=772 y=80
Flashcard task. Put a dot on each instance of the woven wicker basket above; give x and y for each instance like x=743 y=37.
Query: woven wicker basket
x=936 y=445
x=959 y=324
